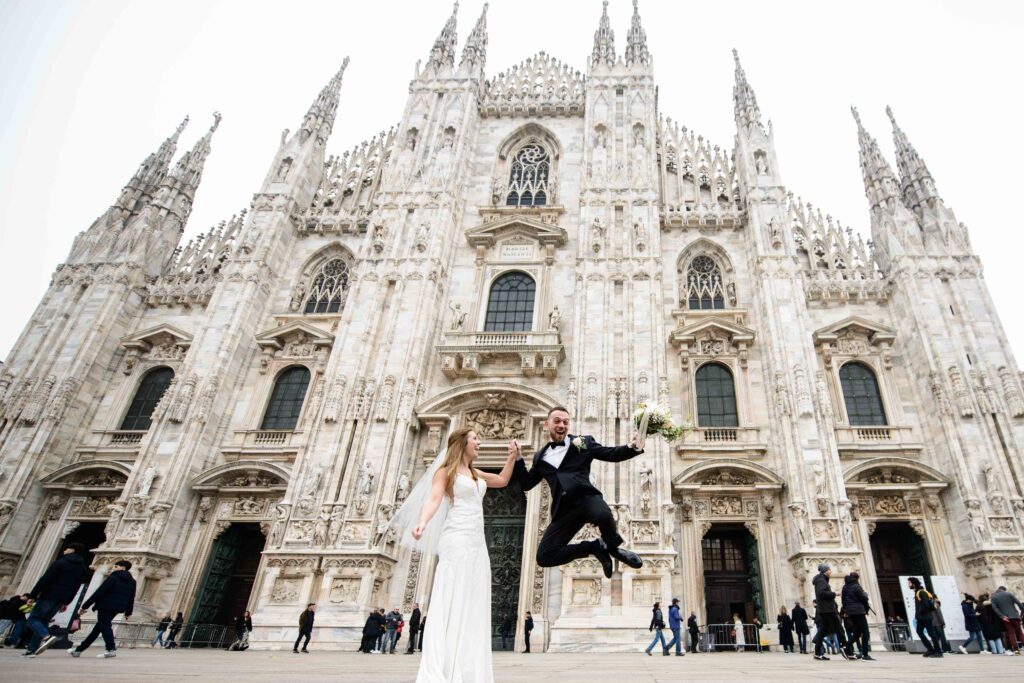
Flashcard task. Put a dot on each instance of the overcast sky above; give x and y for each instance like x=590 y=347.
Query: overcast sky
x=90 y=88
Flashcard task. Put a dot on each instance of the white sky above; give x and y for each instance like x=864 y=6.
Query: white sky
x=90 y=88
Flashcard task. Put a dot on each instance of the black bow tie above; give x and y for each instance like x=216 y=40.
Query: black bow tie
x=556 y=444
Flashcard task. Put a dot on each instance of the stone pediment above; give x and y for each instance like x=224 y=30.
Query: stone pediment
x=91 y=475
x=691 y=337
x=243 y=476
x=163 y=335
x=727 y=473
x=856 y=325
x=296 y=334
x=540 y=228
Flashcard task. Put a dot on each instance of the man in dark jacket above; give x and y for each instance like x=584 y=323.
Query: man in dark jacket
x=924 y=611
x=10 y=615
x=799 y=615
x=115 y=595
x=691 y=626
x=56 y=588
x=855 y=602
x=414 y=627
x=675 y=623
x=1008 y=608
x=827 y=611
x=527 y=628
x=305 y=627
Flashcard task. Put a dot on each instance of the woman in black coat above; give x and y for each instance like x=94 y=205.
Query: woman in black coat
x=785 y=631
x=371 y=629
x=800 y=626
x=991 y=625
x=243 y=625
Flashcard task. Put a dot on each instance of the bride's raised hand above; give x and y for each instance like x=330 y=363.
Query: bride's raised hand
x=417 y=533
x=514 y=451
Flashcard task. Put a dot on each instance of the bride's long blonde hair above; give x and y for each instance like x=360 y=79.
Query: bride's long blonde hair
x=457 y=443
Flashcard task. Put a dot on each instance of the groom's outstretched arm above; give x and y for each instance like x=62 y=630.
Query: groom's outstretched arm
x=610 y=453
x=527 y=478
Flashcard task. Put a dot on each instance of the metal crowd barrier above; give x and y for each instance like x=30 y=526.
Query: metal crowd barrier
x=132 y=634
x=896 y=637
x=724 y=637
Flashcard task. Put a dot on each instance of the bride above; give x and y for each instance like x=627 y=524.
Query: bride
x=447 y=506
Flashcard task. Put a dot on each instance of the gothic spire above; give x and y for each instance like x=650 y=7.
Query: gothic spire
x=748 y=115
x=150 y=173
x=915 y=178
x=475 y=51
x=636 y=41
x=319 y=119
x=443 y=52
x=604 y=41
x=187 y=173
x=879 y=182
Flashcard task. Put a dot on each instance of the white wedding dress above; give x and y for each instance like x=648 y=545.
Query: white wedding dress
x=457 y=636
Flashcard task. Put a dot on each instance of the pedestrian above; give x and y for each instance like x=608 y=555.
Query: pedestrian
x=691 y=626
x=305 y=628
x=504 y=630
x=991 y=625
x=657 y=625
x=370 y=631
x=382 y=621
x=969 y=606
x=856 y=605
x=1008 y=608
x=527 y=628
x=243 y=626
x=827 y=610
x=10 y=616
x=414 y=627
x=675 y=624
x=56 y=588
x=940 y=627
x=423 y=632
x=737 y=633
x=161 y=629
x=800 y=626
x=391 y=622
x=924 y=610
x=116 y=595
x=785 y=630
x=174 y=630
x=398 y=635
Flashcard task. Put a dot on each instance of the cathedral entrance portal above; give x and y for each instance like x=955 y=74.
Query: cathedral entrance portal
x=504 y=526
x=89 y=534
x=732 y=576
x=230 y=573
x=898 y=551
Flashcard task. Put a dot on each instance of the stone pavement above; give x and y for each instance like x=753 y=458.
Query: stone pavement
x=145 y=665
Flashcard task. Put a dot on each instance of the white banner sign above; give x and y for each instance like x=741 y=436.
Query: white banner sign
x=908 y=604
x=945 y=589
x=62 y=619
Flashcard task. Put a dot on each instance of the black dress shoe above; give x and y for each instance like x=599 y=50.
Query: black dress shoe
x=600 y=551
x=627 y=557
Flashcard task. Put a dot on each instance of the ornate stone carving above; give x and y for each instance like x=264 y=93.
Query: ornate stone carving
x=804 y=404
x=644 y=531
x=497 y=424
x=344 y=590
x=586 y=592
x=918 y=527
x=960 y=392
x=335 y=400
x=1011 y=392
x=364 y=486
x=178 y=409
x=890 y=505
x=248 y=505
x=826 y=530
x=646 y=488
x=387 y=397
x=6 y=514
x=824 y=398
x=384 y=534
x=781 y=394
x=725 y=506
x=62 y=399
x=798 y=512
x=285 y=590
x=33 y=408
x=590 y=398
x=727 y=477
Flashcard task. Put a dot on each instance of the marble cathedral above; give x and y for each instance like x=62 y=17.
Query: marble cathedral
x=242 y=414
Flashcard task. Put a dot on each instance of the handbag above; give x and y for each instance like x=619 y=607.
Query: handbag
x=75 y=625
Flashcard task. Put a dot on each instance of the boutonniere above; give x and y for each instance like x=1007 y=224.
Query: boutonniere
x=580 y=443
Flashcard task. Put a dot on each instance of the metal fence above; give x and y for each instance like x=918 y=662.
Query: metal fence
x=896 y=637
x=131 y=634
x=737 y=637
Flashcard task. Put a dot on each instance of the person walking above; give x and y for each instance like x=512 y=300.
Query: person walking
x=504 y=630
x=414 y=627
x=423 y=632
x=969 y=607
x=305 y=628
x=391 y=622
x=382 y=621
x=785 y=630
x=56 y=588
x=940 y=627
x=991 y=625
x=675 y=624
x=243 y=626
x=924 y=610
x=114 y=596
x=174 y=630
x=10 y=616
x=800 y=626
x=1008 y=608
x=694 y=630
x=161 y=629
x=856 y=605
x=527 y=628
x=657 y=625
x=737 y=633
x=827 y=610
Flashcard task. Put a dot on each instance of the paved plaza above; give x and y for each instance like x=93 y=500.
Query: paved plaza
x=199 y=665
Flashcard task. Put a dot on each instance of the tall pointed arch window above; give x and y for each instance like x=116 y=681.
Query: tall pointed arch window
x=704 y=288
x=286 y=399
x=329 y=288
x=861 y=395
x=510 y=305
x=528 y=177
x=716 y=396
x=151 y=389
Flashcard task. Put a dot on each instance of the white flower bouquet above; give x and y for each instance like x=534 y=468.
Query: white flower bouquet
x=651 y=419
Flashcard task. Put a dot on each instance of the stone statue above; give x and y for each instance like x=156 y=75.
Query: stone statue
x=646 y=487
x=402 y=492
x=364 y=487
x=554 y=320
x=458 y=317
x=313 y=481
x=298 y=293
x=146 y=481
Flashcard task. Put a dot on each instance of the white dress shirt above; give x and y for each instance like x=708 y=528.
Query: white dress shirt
x=554 y=455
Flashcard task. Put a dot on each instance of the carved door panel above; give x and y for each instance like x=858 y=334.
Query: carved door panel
x=219 y=567
x=504 y=525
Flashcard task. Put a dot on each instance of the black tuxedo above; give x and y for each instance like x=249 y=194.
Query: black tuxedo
x=575 y=501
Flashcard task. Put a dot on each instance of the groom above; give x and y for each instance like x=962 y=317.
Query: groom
x=565 y=464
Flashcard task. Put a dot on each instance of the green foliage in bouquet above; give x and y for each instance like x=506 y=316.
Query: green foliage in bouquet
x=659 y=422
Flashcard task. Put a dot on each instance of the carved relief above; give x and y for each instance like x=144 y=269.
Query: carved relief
x=285 y=591
x=963 y=397
x=1011 y=393
x=586 y=592
x=344 y=590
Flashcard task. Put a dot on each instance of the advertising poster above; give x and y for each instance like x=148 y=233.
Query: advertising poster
x=945 y=589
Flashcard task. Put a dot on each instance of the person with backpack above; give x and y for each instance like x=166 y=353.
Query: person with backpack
x=658 y=625
x=114 y=596
x=924 y=615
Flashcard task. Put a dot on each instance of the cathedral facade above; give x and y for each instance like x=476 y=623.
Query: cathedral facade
x=241 y=415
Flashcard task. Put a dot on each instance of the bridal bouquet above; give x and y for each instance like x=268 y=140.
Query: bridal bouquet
x=652 y=419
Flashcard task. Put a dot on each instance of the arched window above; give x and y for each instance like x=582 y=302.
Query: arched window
x=329 y=288
x=151 y=389
x=860 y=392
x=704 y=289
x=510 y=306
x=286 y=399
x=716 y=397
x=528 y=178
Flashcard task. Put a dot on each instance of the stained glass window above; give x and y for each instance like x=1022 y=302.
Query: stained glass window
x=149 y=393
x=528 y=178
x=286 y=400
x=704 y=289
x=510 y=306
x=716 y=397
x=860 y=392
x=329 y=288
